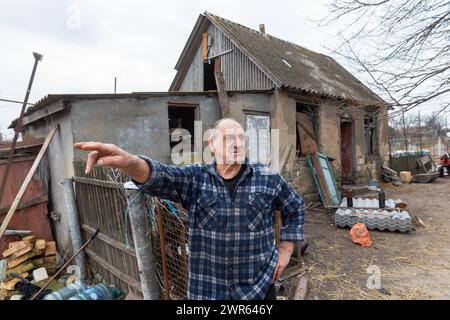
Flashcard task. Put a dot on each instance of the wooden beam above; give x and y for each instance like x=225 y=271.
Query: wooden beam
x=114 y=243
x=204 y=46
x=27 y=181
x=27 y=204
x=222 y=93
x=119 y=274
x=100 y=183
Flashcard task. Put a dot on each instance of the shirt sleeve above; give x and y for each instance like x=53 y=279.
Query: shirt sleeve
x=169 y=181
x=292 y=208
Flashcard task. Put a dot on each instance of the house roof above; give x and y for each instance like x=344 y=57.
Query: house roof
x=288 y=65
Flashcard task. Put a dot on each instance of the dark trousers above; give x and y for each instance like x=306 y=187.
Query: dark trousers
x=271 y=294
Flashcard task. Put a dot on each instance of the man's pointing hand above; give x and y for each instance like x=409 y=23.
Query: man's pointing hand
x=110 y=155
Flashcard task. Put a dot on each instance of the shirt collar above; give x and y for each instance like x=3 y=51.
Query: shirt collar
x=211 y=168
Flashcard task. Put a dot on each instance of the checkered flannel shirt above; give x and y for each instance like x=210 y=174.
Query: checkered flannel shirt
x=232 y=254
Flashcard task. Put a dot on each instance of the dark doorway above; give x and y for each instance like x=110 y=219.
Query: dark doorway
x=181 y=117
x=346 y=152
x=209 y=79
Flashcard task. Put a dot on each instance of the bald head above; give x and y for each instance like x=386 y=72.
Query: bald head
x=227 y=141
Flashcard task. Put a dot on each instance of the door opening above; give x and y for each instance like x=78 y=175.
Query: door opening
x=346 y=152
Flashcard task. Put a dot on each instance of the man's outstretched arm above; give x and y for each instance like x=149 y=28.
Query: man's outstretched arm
x=158 y=179
x=110 y=155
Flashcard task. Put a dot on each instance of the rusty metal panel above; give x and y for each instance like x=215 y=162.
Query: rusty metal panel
x=32 y=212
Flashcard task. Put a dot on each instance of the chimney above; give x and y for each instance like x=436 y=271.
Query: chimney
x=262 y=28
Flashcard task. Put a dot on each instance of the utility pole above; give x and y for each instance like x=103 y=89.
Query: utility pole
x=18 y=128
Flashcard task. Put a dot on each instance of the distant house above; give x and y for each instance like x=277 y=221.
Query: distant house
x=315 y=103
x=270 y=83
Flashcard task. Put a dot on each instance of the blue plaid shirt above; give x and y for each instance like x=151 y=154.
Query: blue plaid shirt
x=232 y=252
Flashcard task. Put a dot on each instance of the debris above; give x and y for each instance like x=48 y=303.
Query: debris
x=98 y=292
x=301 y=291
x=384 y=291
x=425 y=177
x=360 y=235
x=40 y=274
x=405 y=176
x=401 y=205
x=66 y=292
x=289 y=273
x=24 y=257
x=70 y=279
x=324 y=179
x=3 y=266
x=390 y=176
x=133 y=296
x=419 y=221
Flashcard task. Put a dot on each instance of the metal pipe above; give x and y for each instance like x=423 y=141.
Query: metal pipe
x=141 y=236
x=74 y=224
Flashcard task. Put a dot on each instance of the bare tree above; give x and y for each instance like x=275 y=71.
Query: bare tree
x=403 y=45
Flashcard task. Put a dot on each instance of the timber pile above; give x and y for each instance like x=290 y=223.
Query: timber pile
x=22 y=257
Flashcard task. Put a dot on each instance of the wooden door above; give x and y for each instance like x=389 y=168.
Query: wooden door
x=346 y=152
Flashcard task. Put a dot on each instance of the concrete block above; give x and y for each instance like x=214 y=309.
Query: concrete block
x=40 y=274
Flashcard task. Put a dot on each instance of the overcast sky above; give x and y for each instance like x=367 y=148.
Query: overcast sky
x=87 y=43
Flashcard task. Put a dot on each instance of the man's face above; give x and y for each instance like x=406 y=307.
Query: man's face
x=228 y=143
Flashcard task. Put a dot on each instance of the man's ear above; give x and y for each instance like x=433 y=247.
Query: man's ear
x=211 y=144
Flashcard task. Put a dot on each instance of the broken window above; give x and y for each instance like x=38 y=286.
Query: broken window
x=181 y=117
x=257 y=128
x=307 y=129
x=370 y=135
x=209 y=79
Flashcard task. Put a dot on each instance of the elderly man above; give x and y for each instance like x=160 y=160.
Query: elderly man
x=232 y=252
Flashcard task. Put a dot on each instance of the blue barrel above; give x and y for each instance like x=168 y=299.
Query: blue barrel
x=67 y=292
x=98 y=292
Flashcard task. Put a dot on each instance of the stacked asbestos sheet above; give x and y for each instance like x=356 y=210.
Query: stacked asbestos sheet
x=376 y=218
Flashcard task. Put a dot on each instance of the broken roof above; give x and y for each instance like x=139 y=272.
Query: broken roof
x=287 y=64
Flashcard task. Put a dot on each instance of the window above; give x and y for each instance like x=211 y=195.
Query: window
x=257 y=128
x=370 y=135
x=307 y=129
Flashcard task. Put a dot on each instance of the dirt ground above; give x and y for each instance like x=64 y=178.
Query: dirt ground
x=413 y=266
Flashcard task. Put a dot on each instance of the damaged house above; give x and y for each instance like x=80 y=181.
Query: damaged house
x=261 y=81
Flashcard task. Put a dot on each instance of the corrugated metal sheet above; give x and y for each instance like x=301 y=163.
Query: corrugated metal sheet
x=239 y=72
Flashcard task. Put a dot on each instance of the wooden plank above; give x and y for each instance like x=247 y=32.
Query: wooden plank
x=50 y=248
x=204 y=46
x=114 y=243
x=20 y=252
x=9 y=285
x=24 y=267
x=40 y=244
x=15 y=262
x=221 y=91
x=16 y=244
x=29 y=239
x=119 y=274
x=26 y=182
x=14 y=248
